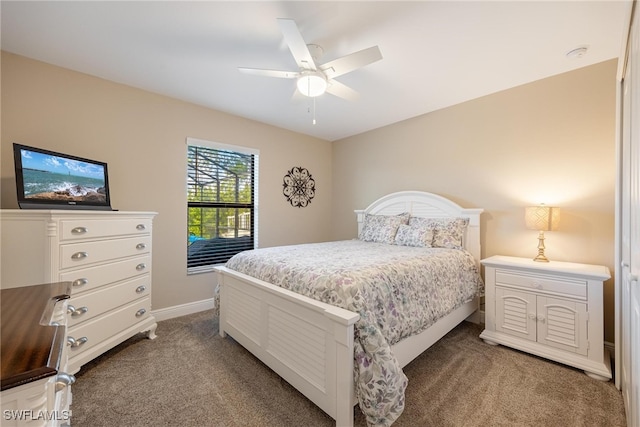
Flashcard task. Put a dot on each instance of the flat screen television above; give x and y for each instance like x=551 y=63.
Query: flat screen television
x=49 y=180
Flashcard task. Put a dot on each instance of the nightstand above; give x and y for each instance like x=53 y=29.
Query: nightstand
x=551 y=309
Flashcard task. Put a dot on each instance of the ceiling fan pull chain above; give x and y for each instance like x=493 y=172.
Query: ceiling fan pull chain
x=314 y=111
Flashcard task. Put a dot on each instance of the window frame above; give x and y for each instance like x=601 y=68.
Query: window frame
x=227 y=147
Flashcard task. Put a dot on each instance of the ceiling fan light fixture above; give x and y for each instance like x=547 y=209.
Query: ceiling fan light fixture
x=312 y=83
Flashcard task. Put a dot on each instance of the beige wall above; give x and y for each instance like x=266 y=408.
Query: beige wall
x=142 y=138
x=551 y=141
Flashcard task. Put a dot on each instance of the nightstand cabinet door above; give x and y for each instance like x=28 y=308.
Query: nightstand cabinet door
x=562 y=324
x=516 y=313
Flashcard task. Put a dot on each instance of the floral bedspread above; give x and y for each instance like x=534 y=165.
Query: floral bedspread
x=397 y=290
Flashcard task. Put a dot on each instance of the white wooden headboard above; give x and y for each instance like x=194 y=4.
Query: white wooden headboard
x=427 y=205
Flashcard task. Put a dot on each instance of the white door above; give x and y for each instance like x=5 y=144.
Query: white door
x=630 y=231
x=634 y=224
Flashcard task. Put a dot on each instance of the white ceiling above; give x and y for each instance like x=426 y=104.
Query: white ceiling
x=435 y=53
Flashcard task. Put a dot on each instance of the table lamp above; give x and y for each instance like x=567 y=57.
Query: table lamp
x=542 y=218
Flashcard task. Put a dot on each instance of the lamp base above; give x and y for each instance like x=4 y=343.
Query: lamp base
x=541 y=257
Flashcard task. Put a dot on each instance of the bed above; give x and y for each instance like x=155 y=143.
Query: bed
x=317 y=347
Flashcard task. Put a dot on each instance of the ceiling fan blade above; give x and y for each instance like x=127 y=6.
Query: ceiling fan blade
x=342 y=91
x=296 y=43
x=350 y=62
x=269 y=73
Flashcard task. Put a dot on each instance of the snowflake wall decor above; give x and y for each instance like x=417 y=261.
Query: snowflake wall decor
x=299 y=187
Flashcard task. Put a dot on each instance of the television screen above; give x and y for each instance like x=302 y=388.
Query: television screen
x=50 y=180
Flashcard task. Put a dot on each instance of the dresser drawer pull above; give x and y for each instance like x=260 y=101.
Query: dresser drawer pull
x=79 y=230
x=140 y=289
x=141 y=246
x=78 y=311
x=80 y=282
x=141 y=266
x=140 y=312
x=79 y=255
x=63 y=380
x=71 y=341
x=141 y=227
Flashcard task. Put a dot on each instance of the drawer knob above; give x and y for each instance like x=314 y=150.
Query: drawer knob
x=79 y=255
x=79 y=230
x=78 y=311
x=141 y=246
x=73 y=343
x=140 y=312
x=63 y=380
x=141 y=227
x=80 y=282
x=140 y=289
x=141 y=266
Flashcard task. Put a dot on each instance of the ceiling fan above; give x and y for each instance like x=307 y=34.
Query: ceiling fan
x=312 y=79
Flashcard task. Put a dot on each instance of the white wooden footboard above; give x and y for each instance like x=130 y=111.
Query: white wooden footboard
x=306 y=342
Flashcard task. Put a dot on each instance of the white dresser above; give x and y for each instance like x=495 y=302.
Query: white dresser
x=105 y=255
x=550 y=309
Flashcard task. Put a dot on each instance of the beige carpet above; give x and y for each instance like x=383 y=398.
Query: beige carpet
x=190 y=376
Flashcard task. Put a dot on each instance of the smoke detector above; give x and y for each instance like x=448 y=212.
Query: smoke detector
x=578 y=52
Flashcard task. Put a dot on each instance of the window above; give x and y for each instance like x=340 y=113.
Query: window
x=221 y=208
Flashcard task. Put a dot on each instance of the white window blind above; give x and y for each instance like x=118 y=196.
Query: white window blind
x=221 y=205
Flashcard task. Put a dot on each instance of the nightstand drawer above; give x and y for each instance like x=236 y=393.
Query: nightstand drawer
x=542 y=283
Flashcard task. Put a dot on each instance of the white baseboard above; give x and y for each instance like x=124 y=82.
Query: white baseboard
x=183 y=309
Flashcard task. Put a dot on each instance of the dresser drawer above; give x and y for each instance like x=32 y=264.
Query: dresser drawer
x=83 y=253
x=78 y=228
x=90 y=278
x=91 y=304
x=95 y=331
x=542 y=283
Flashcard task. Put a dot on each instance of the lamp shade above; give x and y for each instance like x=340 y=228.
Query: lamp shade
x=542 y=218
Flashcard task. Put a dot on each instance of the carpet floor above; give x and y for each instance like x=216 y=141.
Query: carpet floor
x=190 y=376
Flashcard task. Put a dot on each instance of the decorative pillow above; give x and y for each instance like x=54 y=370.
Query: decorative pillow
x=382 y=228
x=414 y=236
x=447 y=232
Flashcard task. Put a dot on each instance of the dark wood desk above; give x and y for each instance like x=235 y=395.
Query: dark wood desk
x=32 y=342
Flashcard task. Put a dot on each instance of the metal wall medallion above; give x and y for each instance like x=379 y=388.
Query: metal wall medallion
x=299 y=187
